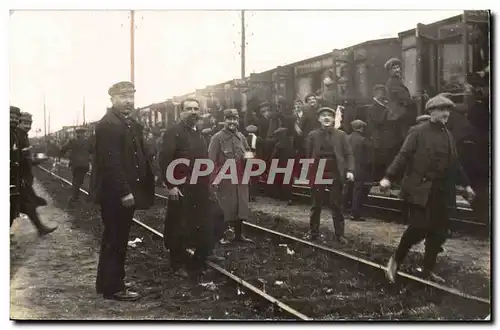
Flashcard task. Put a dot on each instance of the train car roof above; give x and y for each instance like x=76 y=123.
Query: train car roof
x=449 y=20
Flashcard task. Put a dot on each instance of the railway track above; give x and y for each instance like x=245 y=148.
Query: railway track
x=389 y=208
x=462 y=218
x=237 y=280
x=253 y=283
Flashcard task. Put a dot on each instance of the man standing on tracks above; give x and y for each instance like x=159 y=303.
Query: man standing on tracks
x=122 y=182
x=29 y=199
x=81 y=150
x=330 y=144
x=230 y=144
x=186 y=223
x=430 y=158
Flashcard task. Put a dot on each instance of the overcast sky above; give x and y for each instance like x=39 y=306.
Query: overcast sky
x=68 y=55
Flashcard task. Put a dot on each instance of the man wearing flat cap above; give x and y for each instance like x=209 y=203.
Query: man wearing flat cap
x=230 y=145
x=399 y=102
x=122 y=181
x=433 y=169
x=330 y=144
x=79 y=160
x=186 y=223
x=361 y=147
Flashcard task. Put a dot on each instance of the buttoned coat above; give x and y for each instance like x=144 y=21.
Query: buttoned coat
x=120 y=166
x=342 y=149
x=226 y=145
x=417 y=157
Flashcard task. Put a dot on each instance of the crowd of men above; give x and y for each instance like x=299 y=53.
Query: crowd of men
x=374 y=144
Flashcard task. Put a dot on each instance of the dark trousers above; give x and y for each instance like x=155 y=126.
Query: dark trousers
x=79 y=173
x=188 y=223
x=429 y=223
x=111 y=268
x=28 y=205
x=14 y=207
x=334 y=202
x=359 y=195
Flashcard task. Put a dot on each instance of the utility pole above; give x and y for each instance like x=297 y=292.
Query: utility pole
x=132 y=47
x=84 y=110
x=45 y=124
x=243 y=44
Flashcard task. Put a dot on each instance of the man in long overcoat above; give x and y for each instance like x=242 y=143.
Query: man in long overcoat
x=187 y=221
x=231 y=145
x=122 y=182
x=432 y=168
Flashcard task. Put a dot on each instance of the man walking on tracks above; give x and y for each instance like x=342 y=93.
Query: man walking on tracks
x=29 y=199
x=431 y=161
x=331 y=144
x=186 y=222
x=122 y=182
x=78 y=161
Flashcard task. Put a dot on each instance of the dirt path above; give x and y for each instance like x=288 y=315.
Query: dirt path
x=53 y=277
x=473 y=255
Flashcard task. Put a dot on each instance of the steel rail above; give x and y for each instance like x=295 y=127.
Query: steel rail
x=212 y=265
x=361 y=260
x=357 y=259
x=384 y=198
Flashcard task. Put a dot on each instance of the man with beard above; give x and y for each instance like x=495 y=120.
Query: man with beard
x=81 y=149
x=29 y=199
x=186 y=223
x=399 y=101
x=430 y=158
x=15 y=167
x=225 y=146
x=330 y=144
x=122 y=182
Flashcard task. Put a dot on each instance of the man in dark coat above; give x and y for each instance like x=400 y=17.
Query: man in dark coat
x=330 y=144
x=15 y=164
x=186 y=223
x=400 y=105
x=79 y=159
x=310 y=115
x=363 y=155
x=122 y=182
x=430 y=158
x=380 y=130
x=29 y=199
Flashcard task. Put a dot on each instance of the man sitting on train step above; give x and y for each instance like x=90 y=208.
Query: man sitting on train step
x=431 y=161
x=330 y=144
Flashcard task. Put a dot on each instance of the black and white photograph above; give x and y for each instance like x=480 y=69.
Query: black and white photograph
x=250 y=165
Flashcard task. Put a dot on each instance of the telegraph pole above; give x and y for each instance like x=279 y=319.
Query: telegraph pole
x=84 y=110
x=45 y=125
x=243 y=41
x=132 y=47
